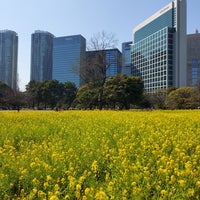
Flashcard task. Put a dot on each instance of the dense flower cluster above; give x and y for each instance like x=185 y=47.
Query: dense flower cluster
x=100 y=155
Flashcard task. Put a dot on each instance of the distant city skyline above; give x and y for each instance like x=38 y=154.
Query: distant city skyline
x=72 y=17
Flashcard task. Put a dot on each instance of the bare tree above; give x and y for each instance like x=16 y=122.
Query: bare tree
x=94 y=69
x=102 y=41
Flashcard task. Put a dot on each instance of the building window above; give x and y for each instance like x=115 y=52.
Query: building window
x=194 y=72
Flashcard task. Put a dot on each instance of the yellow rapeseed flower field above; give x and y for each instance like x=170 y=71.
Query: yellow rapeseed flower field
x=88 y=155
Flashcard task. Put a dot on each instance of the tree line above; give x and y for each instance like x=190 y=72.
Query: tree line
x=119 y=92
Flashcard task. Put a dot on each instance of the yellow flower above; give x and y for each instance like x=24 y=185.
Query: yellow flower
x=22 y=192
x=182 y=183
x=84 y=198
x=57 y=193
x=95 y=166
x=134 y=184
x=71 y=182
x=33 y=164
x=172 y=179
x=110 y=186
x=77 y=194
x=45 y=185
x=50 y=193
x=81 y=179
x=78 y=187
x=87 y=191
x=34 y=190
x=190 y=192
x=124 y=193
x=67 y=197
x=56 y=187
x=62 y=180
x=41 y=194
x=35 y=181
x=198 y=184
x=107 y=176
x=49 y=178
x=101 y=195
x=163 y=193
x=54 y=198
x=23 y=171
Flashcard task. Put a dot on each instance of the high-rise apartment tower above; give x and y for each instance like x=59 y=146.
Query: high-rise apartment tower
x=41 y=55
x=8 y=57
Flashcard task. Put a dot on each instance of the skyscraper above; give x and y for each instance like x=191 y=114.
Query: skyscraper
x=193 y=59
x=8 y=57
x=126 y=58
x=159 y=48
x=41 y=55
x=68 y=52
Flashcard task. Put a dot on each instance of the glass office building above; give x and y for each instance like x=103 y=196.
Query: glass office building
x=193 y=59
x=8 y=57
x=102 y=64
x=126 y=58
x=158 y=53
x=68 y=52
x=41 y=55
x=113 y=61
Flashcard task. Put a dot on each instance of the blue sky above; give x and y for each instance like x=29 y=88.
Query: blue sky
x=85 y=17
